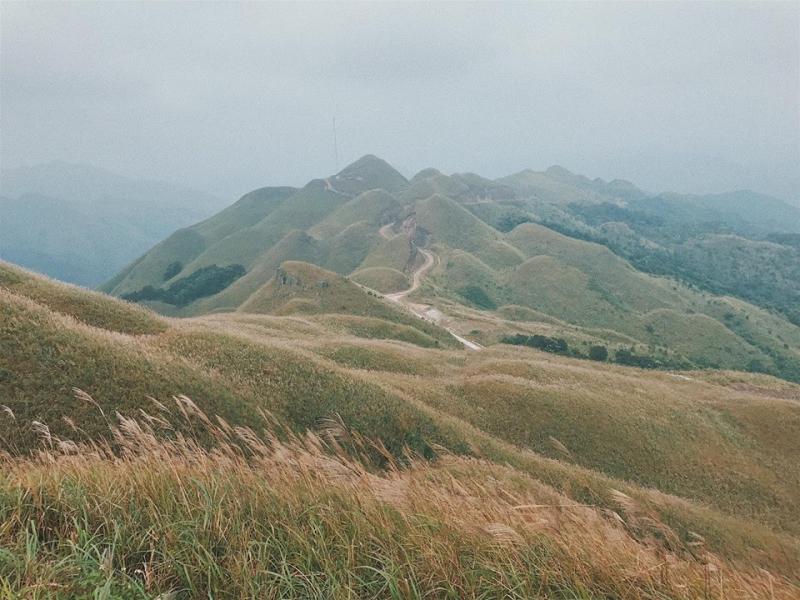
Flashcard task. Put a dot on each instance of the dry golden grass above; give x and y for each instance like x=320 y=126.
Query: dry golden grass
x=262 y=512
x=719 y=447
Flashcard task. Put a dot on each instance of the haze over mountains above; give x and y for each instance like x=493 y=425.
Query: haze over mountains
x=82 y=224
x=703 y=281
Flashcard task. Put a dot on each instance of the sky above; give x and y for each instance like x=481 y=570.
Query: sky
x=227 y=97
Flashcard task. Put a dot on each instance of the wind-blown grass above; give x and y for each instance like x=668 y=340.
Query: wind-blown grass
x=263 y=513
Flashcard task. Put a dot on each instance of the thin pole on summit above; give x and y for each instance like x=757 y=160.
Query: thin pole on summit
x=335 y=145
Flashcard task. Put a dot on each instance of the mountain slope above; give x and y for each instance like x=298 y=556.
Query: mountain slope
x=302 y=288
x=724 y=243
x=500 y=248
x=705 y=454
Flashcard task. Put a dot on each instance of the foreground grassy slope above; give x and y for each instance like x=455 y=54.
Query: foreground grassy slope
x=305 y=518
x=45 y=354
x=90 y=308
x=710 y=453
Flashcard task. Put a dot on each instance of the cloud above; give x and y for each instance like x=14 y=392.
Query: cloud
x=227 y=96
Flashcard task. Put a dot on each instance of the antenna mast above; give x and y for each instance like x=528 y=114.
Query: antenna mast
x=335 y=145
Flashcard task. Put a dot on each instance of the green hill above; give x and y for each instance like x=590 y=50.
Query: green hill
x=303 y=288
x=367 y=173
x=723 y=243
x=558 y=185
x=375 y=207
x=593 y=256
x=382 y=279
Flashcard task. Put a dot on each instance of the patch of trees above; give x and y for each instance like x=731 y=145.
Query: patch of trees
x=477 y=296
x=541 y=342
x=599 y=353
x=596 y=214
x=172 y=269
x=511 y=219
x=203 y=282
x=627 y=357
x=623 y=356
x=631 y=359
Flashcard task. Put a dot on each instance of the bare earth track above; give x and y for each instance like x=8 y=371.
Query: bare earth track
x=416 y=281
x=416 y=278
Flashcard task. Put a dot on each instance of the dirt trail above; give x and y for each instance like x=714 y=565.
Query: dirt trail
x=416 y=281
x=330 y=188
x=416 y=277
x=466 y=342
x=384 y=231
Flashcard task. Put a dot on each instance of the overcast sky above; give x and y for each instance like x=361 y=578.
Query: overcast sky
x=229 y=97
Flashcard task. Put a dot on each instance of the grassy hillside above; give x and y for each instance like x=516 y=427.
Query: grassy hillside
x=395 y=253
x=707 y=454
x=761 y=272
x=303 y=288
x=334 y=529
x=452 y=225
x=504 y=243
x=586 y=285
x=89 y=308
x=382 y=279
x=367 y=173
x=375 y=207
x=558 y=185
x=183 y=246
x=723 y=243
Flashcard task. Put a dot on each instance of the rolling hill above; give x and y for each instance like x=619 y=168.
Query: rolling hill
x=508 y=466
x=593 y=262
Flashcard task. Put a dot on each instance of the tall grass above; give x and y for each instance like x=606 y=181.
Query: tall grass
x=261 y=512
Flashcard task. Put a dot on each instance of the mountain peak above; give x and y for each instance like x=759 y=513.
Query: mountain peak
x=367 y=173
x=559 y=171
x=426 y=173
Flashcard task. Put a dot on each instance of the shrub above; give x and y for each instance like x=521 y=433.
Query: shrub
x=512 y=219
x=629 y=358
x=541 y=342
x=477 y=296
x=173 y=269
x=203 y=282
x=598 y=353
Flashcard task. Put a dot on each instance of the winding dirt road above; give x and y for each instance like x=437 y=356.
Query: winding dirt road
x=384 y=231
x=416 y=277
x=416 y=281
x=330 y=188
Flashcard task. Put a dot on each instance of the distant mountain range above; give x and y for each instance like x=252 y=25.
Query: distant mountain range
x=684 y=281
x=83 y=224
